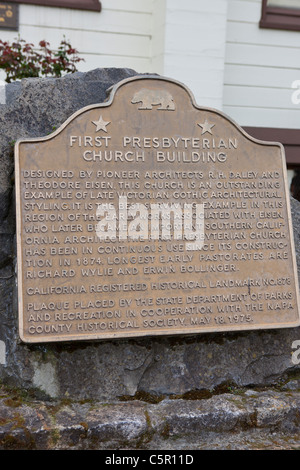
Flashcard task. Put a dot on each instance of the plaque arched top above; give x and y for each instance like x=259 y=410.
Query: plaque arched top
x=152 y=92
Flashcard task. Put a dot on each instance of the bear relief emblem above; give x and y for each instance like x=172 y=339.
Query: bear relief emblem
x=149 y=98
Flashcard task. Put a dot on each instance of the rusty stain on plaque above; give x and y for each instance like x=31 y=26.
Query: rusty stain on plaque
x=150 y=215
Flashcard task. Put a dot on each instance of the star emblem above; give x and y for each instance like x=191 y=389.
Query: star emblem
x=206 y=127
x=101 y=124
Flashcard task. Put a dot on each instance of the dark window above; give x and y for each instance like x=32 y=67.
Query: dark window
x=94 y=5
x=289 y=138
x=280 y=14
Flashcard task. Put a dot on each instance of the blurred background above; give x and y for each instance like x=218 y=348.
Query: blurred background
x=238 y=56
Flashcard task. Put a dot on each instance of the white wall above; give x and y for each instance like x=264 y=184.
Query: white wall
x=158 y=38
x=220 y=53
x=180 y=40
x=260 y=66
x=118 y=36
x=194 y=47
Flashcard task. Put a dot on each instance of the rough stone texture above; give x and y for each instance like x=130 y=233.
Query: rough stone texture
x=245 y=419
x=295 y=210
x=159 y=367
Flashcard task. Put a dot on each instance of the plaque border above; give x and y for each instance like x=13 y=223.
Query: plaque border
x=174 y=332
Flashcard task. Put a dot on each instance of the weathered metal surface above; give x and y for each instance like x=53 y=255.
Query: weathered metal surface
x=149 y=215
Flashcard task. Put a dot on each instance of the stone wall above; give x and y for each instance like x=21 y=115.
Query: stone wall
x=180 y=366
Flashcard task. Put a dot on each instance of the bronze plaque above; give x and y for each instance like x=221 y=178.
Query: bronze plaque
x=149 y=215
x=9 y=16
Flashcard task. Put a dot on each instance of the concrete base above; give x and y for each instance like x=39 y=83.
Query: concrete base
x=236 y=420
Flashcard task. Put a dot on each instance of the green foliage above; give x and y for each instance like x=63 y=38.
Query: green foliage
x=21 y=60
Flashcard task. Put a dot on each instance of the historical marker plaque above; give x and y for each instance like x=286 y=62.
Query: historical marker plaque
x=149 y=215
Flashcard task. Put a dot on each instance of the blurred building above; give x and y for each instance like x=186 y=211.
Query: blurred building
x=239 y=56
